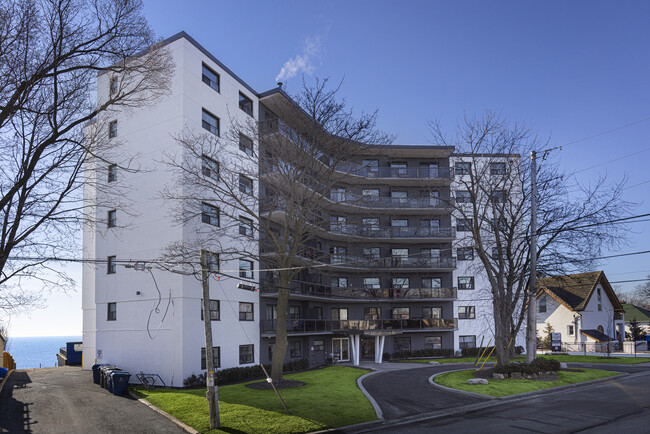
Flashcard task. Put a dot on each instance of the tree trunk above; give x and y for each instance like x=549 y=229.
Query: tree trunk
x=501 y=334
x=280 y=349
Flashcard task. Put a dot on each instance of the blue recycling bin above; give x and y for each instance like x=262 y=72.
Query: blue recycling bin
x=3 y=372
x=103 y=374
x=119 y=382
x=96 y=372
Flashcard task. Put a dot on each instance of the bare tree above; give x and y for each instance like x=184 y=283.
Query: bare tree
x=273 y=195
x=493 y=205
x=51 y=52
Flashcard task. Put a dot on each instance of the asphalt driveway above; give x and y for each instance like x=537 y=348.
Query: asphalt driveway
x=65 y=400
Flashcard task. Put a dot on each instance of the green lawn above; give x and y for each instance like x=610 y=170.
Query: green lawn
x=499 y=388
x=568 y=359
x=329 y=399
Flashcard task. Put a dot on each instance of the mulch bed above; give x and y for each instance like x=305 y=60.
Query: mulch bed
x=487 y=374
x=284 y=384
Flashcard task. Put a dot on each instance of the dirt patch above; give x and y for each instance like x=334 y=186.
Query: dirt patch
x=284 y=384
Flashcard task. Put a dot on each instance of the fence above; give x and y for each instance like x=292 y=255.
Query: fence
x=8 y=361
x=627 y=347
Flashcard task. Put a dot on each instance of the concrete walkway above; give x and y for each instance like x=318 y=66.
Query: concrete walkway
x=65 y=400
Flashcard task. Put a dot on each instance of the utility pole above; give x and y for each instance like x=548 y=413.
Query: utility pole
x=212 y=394
x=531 y=331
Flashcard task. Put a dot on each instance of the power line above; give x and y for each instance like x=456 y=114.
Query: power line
x=633 y=280
x=612 y=160
x=602 y=133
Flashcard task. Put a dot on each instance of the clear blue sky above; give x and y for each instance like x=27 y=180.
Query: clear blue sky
x=569 y=69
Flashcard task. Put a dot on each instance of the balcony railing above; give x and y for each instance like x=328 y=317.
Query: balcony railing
x=359 y=325
x=318 y=290
x=357 y=230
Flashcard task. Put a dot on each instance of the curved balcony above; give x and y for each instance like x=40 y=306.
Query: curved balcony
x=391 y=232
x=327 y=326
x=312 y=290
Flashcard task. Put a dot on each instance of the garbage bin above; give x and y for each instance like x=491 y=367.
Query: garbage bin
x=3 y=372
x=119 y=381
x=103 y=374
x=96 y=372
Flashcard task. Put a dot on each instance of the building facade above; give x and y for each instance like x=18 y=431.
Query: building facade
x=387 y=276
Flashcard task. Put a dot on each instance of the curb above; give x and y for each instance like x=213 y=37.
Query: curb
x=375 y=405
x=4 y=380
x=178 y=422
x=451 y=389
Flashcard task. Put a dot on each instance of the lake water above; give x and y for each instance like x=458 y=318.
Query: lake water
x=37 y=352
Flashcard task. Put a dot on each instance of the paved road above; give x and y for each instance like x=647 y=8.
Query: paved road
x=65 y=400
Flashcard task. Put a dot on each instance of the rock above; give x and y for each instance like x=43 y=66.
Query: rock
x=433 y=362
x=498 y=376
x=563 y=365
x=477 y=381
x=517 y=375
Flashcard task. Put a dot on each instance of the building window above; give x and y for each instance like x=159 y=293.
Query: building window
x=337 y=194
x=337 y=223
x=246 y=354
x=496 y=256
x=209 y=214
x=432 y=282
x=114 y=86
x=570 y=330
x=465 y=253
x=210 y=78
x=245 y=311
x=210 y=122
x=498 y=196
x=318 y=312
x=402 y=343
x=370 y=192
x=295 y=349
x=431 y=312
x=211 y=261
x=339 y=282
x=339 y=313
x=600 y=300
x=209 y=167
x=371 y=252
x=337 y=254
x=216 y=358
x=432 y=342
x=246 y=104
x=399 y=223
x=463 y=197
x=399 y=253
x=110 y=265
x=466 y=312
x=400 y=282
x=111 y=220
x=245 y=227
x=372 y=313
x=399 y=168
x=467 y=342
x=215 y=313
x=371 y=283
x=497 y=168
x=294 y=312
x=401 y=313
x=319 y=345
x=245 y=269
x=112 y=129
x=463 y=168
x=112 y=172
x=430 y=223
x=464 y=225
x=372 y=166
x=111 y=314
x=466 y=282
x=370 y=224
x=245 y=144
x=399 y=194
x=245 y=185
x=541 y=304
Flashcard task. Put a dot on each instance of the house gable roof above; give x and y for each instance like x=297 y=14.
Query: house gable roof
x=596 y=335
x=637 y=313
x=575 y=290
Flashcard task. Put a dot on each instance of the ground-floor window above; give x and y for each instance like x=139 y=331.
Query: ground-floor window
x=467 y=341
x=295 y=349
x=341 y=349
x=246 y=354
x=402 y=344
x=319 y=345
x=216 y=357
x=432 y=342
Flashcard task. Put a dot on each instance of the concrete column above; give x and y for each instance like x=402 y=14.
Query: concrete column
x=377 y=353
x=356 y=356
x=382 y=339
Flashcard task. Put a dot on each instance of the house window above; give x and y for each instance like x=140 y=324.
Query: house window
x=466 y=282
x=463 y=197
x=114 y=86
x=112 y=129
x=245 y=185
x=245 y=269
x=541 y=304
x=112 y=173
x=431 y=282
x=467 y=342
x=209 y=167
x=319 y=345
x=295 y=349
x=432 y=342
x=400 y=282
x=210 y=122
x=498 y=196
x=372 y=313
x=371 y=252
x=401 y=313
x=497 y=168
x=464 y=225
x=600 y=300
x=466 y=312
x=246 y=354
x=210 y=78
x=216 y=357
x=111 y=314
x=402 y=343
x=370 y=192
x=245 y=227
x=570 y=330
x=246 y=104
x=209 y=214
x=465 y=253
x=245 y=311
x=371 y=283
x=339 y=313
x=463 y=168
x=245 y=144
x=211 y=261
x=215 y=313
x=431 y=312
x=110 y=265
x=112 y=219
x=294 y=312
x=339 y=282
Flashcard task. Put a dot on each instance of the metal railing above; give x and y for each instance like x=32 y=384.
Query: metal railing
x=306 y=325
x=359 y=230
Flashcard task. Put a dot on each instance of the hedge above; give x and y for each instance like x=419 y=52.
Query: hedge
x=236 y=375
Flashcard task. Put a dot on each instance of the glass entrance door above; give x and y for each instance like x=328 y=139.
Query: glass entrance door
x=341 y=349
x=368 y=347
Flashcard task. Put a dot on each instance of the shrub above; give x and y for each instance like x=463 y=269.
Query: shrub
x=537 y=367
x=519 y=350
x=235 y=375
x=423 y=353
